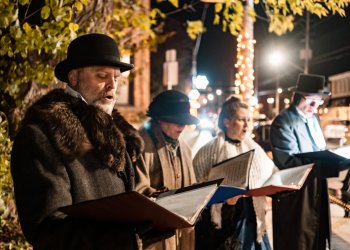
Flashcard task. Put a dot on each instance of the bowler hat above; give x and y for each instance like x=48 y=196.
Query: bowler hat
x=309 y=84
x=172 y=106
x=90 y=50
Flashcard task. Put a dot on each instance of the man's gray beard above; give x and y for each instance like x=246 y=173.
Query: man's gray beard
x=106 y=108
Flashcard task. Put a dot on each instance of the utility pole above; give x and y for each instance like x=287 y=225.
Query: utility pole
x=306 y=53
x=277 y=95
x=307 y=43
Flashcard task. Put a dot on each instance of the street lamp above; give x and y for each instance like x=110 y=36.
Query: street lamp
x=200 y=82
x=210 y=97
x=270 y=101
x=194 y=94
x=276 y=59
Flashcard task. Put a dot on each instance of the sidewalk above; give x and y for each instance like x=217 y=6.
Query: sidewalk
x=340 y=225
x=340 y=228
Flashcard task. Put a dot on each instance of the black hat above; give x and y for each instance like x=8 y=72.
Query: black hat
x=90 y=50
x=309 y=84
x=172 y=106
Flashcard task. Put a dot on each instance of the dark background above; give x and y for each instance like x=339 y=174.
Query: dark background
x=329 y=42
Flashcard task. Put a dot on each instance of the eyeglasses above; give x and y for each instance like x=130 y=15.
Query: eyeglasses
x=311 y=101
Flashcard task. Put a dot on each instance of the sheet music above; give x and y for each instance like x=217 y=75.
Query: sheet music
x=188 y=204
x=235 y=171
x=343 y=151
x=293 y=177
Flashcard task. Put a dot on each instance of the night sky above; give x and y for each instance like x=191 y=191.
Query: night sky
x=329 y=41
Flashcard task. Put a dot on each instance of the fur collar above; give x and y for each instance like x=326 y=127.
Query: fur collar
x=75 y=128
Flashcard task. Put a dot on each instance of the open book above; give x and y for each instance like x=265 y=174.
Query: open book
x=324 y=155
x=175 y=210
x=283 y=180
x=342 y=151
x=339 y=158
x=236 y=173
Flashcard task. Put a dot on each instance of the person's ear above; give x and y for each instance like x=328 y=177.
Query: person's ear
x=227 y=122
x=73 y=77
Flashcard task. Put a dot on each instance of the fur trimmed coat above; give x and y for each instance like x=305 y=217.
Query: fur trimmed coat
x=67 y=152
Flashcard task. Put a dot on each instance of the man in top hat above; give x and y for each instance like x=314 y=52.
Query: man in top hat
x=301 y=219
x=74 y=146
x=168 y=160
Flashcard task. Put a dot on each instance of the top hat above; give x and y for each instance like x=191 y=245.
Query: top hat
x=172 y=106
x=309 y=84
x=90 y=50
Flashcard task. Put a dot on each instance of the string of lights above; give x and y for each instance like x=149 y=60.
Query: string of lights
x=244 y=80
x=244 y=77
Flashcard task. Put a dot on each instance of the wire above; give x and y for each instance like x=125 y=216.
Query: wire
x=331 y=55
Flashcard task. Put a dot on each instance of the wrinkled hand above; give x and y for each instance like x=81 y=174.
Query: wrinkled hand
x=150 y=236
x=233 y=200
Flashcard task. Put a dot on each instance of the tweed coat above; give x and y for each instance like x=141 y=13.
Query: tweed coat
x=158 y=172
x=301 y=219
x=67 y=152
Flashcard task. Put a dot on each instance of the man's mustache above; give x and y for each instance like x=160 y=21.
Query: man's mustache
x=108 y=95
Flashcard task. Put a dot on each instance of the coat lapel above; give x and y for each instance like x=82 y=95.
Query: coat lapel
x=304 y=139
x=188 y=176
x=165 y=162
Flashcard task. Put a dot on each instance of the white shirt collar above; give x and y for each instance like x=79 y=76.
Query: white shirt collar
x=303 y=116
x=74 y=93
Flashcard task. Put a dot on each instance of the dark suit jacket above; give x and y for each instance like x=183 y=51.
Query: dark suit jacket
x=301 y=219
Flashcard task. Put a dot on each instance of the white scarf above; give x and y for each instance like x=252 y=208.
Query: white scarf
x=261 y=169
